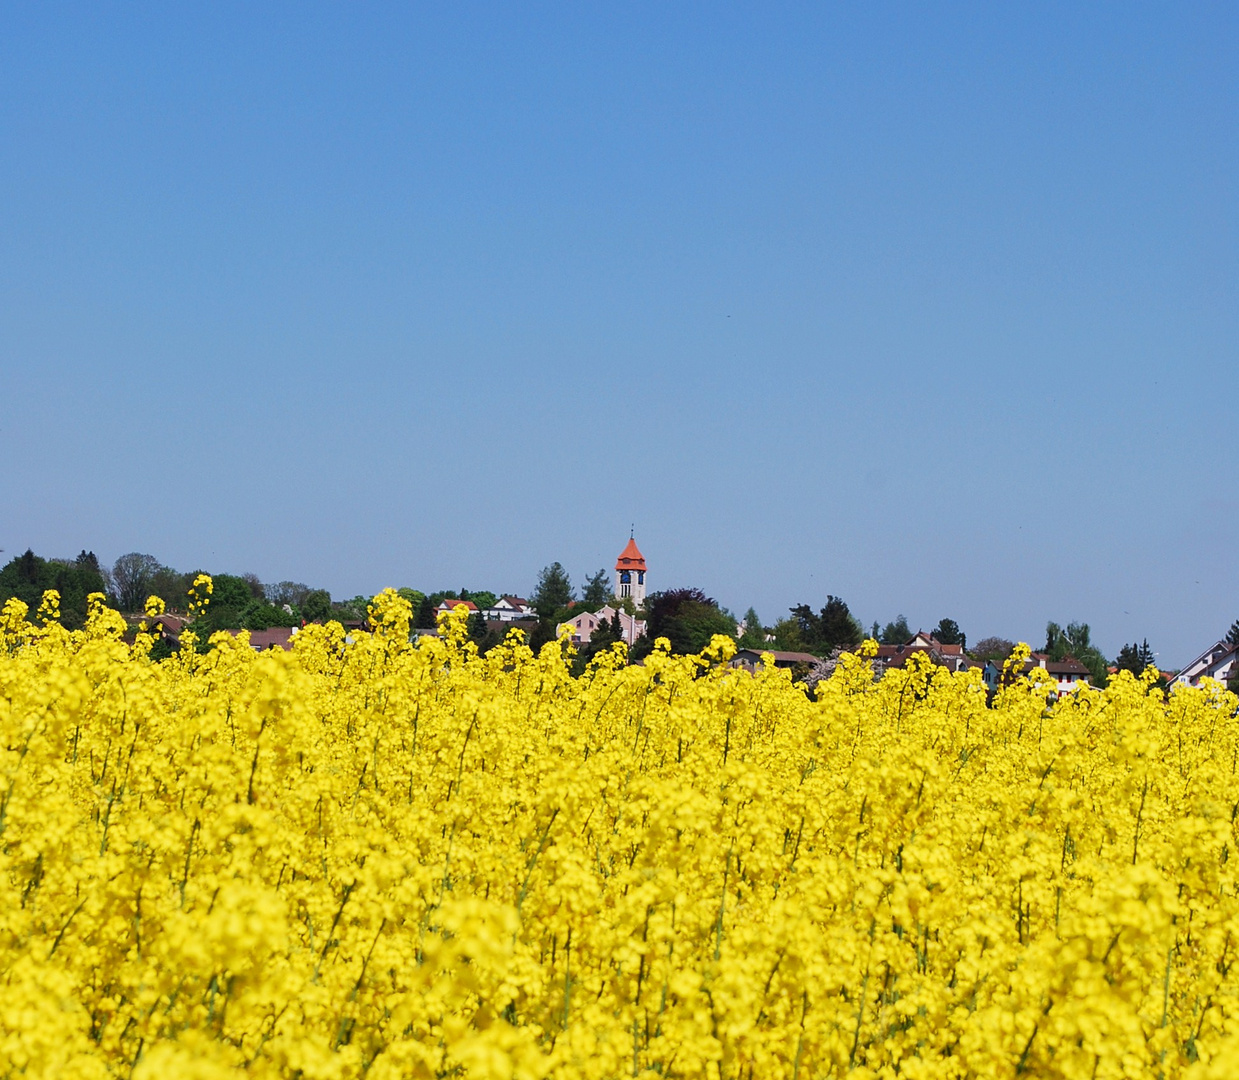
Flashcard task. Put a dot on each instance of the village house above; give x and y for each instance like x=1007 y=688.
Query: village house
x=1219 y=661
x=951 y=657
x=1069 y=674
x=510 y=609
x=751 y=659
x=584 y=625
x=451 y=605
x=275 y=637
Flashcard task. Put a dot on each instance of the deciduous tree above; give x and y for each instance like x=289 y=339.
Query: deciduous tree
x=133 y=577
x=993 y=648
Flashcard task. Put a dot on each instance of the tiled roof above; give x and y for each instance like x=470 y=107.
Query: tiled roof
x=451 y=605
x=631 y=557
x=780 y=657
x=1066 y=666
x=275 y=637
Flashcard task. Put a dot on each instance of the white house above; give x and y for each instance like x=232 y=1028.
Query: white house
x=1219 y=661
x=509 y=609
x=451 y=605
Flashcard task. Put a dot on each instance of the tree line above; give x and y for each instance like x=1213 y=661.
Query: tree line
x=686 y=616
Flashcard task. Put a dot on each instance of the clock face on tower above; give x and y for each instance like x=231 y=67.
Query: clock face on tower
x=630 y=573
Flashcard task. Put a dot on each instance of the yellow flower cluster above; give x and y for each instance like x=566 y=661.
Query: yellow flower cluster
x=366 y=858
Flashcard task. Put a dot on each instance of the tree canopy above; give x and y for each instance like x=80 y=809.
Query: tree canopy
x=948 y=632
x=1075 y=641
x=1135 y=657
x=28 y=577
x=754 y=636
x=553 y=592
x=993 y=648
x=820 y=632
x=687 y=618
x=597 y=590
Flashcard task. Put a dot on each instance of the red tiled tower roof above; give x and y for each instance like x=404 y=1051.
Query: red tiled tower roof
x=631 y=557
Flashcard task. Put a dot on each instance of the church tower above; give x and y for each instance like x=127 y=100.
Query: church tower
x=630 y=574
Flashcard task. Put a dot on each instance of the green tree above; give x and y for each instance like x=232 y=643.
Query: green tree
x=259 y=615
x=687 y=618
x=789 y=636
x=424 y=615
x=1135 y=657
x=597 y=590
x=948 y=632
x=484 y=598
x=133 y=579
x=820 y=632
x=292 y=593
x=28 y=577
x=235 y=607
x=316 y=607
x=897 y=632
x=1232 y=635
x=172 y=587
x=414 y=597
x=553 y=593
x=1075 y=641
x=754 y=636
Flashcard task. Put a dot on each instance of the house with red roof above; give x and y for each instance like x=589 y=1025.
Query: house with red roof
x=509 y=609
x=451 y=605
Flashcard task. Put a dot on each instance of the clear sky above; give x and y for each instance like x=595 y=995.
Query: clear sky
x=934 y=307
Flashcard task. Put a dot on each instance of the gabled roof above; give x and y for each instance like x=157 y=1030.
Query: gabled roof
x=780 y=656
x=1219 y=650
x=1068 y=665
x=451 y=605
x=631 y=557
x=277 y=637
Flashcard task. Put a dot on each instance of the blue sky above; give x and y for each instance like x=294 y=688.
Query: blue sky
x=933 y=307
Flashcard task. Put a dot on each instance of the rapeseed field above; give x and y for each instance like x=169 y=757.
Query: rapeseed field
x=368 y=858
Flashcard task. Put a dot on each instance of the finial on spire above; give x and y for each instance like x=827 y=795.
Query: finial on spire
x=632 y=530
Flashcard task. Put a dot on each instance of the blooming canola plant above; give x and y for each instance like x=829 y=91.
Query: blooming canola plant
x=383 y=859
